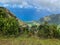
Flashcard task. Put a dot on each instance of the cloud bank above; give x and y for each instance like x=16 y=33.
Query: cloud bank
x=50 y=5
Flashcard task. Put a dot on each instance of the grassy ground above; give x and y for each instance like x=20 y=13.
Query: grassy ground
x=28 y=41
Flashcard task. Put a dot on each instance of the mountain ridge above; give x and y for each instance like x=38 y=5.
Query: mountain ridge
x=8 y=14
x=54 y=18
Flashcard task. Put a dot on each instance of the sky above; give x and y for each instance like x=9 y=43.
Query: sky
x=29 y=10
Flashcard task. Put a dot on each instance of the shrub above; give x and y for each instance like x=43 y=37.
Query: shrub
x=48 y=31
x=9 y=26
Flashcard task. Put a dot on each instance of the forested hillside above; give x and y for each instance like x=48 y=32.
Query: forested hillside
x=8 y=23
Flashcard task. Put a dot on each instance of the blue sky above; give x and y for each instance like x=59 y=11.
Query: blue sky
x=29 y=10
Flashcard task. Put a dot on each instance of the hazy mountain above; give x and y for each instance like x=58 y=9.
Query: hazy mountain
x=54 y=18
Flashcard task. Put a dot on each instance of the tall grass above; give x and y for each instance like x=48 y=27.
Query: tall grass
x=28 y=41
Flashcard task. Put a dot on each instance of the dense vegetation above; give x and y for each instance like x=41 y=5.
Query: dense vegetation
x=9 y=26
x=43 y=30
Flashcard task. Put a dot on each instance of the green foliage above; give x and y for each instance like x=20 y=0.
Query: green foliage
x=8 y=26
x=3 y=13
x=48 y=31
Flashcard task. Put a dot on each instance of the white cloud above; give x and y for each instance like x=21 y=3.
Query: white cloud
x=20 y=6
x=23 y=4
x=50 y=5
x=6 y=5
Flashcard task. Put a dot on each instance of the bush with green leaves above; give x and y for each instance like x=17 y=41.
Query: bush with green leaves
x=48 y=31
x=8 y=26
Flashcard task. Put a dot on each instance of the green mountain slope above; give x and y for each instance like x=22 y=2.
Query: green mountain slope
x=5 y=13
